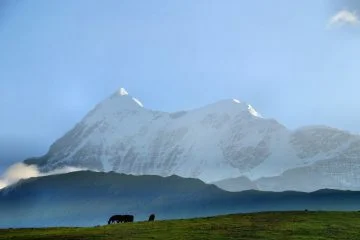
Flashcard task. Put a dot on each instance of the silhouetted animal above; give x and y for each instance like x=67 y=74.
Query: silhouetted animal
x=121 y=219
x=128 y=218
x=151 y=217
x=115 y=219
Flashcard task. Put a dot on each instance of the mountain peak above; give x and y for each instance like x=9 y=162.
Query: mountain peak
x=253 y=112
x=123 y=92
x=235 y=105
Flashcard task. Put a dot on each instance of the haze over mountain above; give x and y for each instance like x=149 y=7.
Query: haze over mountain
x=88 y=199
x=221 y=141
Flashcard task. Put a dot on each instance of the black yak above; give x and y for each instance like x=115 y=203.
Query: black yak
x=151 y=217
x=128 y=218
x=121 y=219
x=115 y=219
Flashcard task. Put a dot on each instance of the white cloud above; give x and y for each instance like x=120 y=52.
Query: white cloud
x=344 y=17
x=2 y=184
x=16 y=172
x=19 y=171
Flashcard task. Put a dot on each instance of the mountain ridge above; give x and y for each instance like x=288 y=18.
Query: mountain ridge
x=223 y=140
x=87 y=198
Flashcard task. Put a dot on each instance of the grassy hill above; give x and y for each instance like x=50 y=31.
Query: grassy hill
x=269 y=225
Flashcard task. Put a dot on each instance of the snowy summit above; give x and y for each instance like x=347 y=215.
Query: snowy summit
x=123 y=92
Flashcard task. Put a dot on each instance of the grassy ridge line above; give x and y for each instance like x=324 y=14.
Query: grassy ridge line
x=270 y=225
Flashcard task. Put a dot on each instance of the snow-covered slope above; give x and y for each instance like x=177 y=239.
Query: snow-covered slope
x=224 y=140
x=330 y=159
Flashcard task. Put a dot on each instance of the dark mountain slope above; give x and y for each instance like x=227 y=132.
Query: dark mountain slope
x=89 y=198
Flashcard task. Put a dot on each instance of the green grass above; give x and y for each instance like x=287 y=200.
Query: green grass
x=271 y=225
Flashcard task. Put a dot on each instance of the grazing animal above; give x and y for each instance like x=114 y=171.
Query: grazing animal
x=115 y=219
x=121 y=219
x=128 y=218
x=151 y=217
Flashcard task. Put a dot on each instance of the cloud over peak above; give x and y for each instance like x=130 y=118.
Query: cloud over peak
x=344 y=17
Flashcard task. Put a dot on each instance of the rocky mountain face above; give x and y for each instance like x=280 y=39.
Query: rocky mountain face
x=331 y=159
x=227 y=143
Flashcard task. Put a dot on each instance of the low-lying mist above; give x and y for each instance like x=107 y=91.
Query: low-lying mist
x=19 y=171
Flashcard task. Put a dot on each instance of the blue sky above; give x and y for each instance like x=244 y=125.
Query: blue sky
x=59 y=58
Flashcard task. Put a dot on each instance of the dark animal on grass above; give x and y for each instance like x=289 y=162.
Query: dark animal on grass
x=151 y=217
x=115 y=219
x=121 y=219
x=128 y=218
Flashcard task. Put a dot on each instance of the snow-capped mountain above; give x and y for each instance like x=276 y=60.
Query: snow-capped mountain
x=224 y=141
